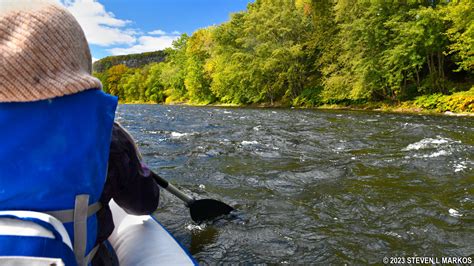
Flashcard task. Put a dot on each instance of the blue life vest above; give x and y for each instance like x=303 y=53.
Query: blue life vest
x=53 y=159
x=28 y=238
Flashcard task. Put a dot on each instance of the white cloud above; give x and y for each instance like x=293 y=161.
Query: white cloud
x=103 y=28
x=157 y=32
x=94 y=59
x=146 y=44
x=100 y=26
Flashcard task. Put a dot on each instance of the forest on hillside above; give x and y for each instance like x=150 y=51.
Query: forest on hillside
x=314 y=52
x=130 y=60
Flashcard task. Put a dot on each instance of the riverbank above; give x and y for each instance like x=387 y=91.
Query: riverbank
x=375 y=107
x=457 y=104
x=404 y=107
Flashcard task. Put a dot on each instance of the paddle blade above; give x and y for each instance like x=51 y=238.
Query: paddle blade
x=208 y=209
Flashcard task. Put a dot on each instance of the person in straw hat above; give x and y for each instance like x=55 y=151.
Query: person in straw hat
x=62 y=153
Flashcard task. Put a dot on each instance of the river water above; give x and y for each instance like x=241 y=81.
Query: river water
x=313 y=186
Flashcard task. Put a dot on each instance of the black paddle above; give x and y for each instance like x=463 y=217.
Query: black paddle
x=201 y=210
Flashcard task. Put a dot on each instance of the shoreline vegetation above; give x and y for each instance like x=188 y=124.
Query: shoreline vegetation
x=405 y=56
x=410 y=107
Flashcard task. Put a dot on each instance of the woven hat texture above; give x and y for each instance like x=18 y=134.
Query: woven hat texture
x=44 y=53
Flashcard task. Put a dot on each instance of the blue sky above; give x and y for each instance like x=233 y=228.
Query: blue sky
x=115 y=27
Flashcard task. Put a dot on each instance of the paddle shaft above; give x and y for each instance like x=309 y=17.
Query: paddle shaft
x=172 y=189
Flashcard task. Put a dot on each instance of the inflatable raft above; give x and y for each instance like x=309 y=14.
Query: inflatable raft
x=137 y=240
x=142 y=240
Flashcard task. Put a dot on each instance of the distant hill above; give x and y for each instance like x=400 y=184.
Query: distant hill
x=131 y=60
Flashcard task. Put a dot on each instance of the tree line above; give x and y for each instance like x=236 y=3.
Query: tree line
x=311 y=52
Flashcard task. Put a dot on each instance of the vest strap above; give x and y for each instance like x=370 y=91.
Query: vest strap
x=81 y=207
x=82 y=210
x=67 y=216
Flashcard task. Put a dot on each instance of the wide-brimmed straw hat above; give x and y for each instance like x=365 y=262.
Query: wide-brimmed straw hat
x=43 y=52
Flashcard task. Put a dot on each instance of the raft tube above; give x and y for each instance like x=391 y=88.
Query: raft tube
x=142 y=240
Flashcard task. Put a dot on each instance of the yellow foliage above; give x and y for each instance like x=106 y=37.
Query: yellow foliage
x=457 y=102
x=304 y=5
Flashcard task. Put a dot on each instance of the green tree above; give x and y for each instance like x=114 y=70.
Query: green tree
x=113 y=79
x=154 y=87
x=263 y=55
x=173 y=71
x=197 y=79
x=130 y=86
x=460 y=16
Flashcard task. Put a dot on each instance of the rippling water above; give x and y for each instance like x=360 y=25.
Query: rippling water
x=313 y=186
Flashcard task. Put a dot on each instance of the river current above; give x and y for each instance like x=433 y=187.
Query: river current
x=313 y=186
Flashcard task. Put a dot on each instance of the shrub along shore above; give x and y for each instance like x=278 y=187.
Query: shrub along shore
x=458 y=104
x=400 y=56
